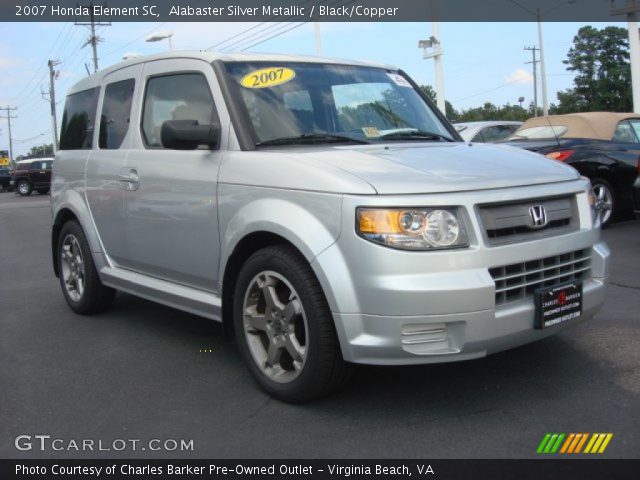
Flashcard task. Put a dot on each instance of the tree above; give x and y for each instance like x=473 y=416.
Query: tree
x=451 y=112
x=44 y=150
x=489 y=111
x=600 y=60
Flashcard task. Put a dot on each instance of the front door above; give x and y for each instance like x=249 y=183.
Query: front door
x=171 y=203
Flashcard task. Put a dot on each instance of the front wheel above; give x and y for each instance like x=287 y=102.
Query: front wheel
x=605 y=200
x=24 y=188
x=284 y=327
x=81 y=286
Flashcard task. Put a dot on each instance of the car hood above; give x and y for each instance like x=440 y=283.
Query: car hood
x=437 y=167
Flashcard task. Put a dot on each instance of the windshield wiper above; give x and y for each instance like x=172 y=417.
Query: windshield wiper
x=415 y=135
x=311 y=138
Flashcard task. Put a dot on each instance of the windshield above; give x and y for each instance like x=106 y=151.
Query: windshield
x=545 y=131
x=291 y=102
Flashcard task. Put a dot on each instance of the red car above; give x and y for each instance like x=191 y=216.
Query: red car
x=30 y=175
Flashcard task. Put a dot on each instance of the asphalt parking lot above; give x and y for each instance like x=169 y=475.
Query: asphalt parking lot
x=139 y=371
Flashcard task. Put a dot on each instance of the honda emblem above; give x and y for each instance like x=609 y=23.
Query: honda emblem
x=538 y=216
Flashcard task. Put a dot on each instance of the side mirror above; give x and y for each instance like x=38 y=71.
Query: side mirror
x=188 y=134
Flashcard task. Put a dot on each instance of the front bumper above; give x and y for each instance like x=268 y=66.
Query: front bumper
x=401 y=340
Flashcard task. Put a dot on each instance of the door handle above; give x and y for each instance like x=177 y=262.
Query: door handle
x=129 y=181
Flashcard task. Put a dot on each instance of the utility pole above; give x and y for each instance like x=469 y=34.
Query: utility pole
x=535 y=78
x=93 y=40
x=10 y=109
x=53 y=75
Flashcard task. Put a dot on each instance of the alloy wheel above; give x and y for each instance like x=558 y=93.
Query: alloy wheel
x=275 y=326
x=604 y=202
x=72 y=264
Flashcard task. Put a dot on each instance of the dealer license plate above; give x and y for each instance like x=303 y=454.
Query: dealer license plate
x=555 y=305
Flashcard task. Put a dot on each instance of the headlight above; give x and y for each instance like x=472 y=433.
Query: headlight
x=412 y=228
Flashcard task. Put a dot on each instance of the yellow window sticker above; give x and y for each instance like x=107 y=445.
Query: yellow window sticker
x=370 y=132
x=267 y=77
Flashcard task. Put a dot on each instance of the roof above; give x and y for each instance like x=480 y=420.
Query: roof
x=596 y=125
x=207 y=56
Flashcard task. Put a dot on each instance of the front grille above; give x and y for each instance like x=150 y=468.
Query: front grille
x=511 y=222
x=520 y=280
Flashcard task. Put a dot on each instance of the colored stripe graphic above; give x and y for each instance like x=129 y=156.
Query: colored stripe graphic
x=581 y=442
x=598 y=442
x=573 y=443
x=551 y=443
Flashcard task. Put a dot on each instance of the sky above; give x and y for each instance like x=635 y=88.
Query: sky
x=482 y=62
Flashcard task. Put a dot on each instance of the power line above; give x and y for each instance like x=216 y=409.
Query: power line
x=121 y=47
x=292 y=28
x=267 y=22
x=40 y=67
x=517 y=80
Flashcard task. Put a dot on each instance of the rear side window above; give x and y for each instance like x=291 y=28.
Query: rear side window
x=184 y=96
x=625 y=132
x=116 y=113
x=40 y=165
x=78 y=120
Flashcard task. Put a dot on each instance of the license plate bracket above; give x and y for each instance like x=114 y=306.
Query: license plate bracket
x=557 y=304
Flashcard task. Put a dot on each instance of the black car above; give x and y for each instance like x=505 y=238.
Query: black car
x=5 y=178
x=602 y=146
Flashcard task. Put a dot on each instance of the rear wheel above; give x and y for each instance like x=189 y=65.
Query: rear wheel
x=284 y=327
x=81 y=286
x=24 y=188
x=605 y=200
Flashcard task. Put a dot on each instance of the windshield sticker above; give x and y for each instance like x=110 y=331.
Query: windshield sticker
x=371 y=132
x=267 y=77
x=399 y=80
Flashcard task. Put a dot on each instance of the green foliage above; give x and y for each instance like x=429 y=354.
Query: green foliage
x=44 y=150
x=600 y=60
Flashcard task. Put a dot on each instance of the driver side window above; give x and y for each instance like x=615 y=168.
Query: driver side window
x=184 y=96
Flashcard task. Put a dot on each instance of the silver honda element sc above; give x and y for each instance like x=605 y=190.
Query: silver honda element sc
x=323 y=210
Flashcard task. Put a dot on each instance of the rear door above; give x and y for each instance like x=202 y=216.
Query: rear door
x=105 y=167
x=171 y=207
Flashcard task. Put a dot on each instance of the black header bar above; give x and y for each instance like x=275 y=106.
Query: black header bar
x=313 y=10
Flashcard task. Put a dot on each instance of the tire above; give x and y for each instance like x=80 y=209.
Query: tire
x=81 y=286
x=24 y=188
x=605 y=200
x=300 y=325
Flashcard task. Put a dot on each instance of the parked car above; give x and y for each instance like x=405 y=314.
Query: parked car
x=5 y=178
x=32 y=174
x=488 y=131
x=324 y=211
x=602 y=146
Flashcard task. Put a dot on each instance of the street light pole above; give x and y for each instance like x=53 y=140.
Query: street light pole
x=437 y=65
x=543 y=73
x=316 y=27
